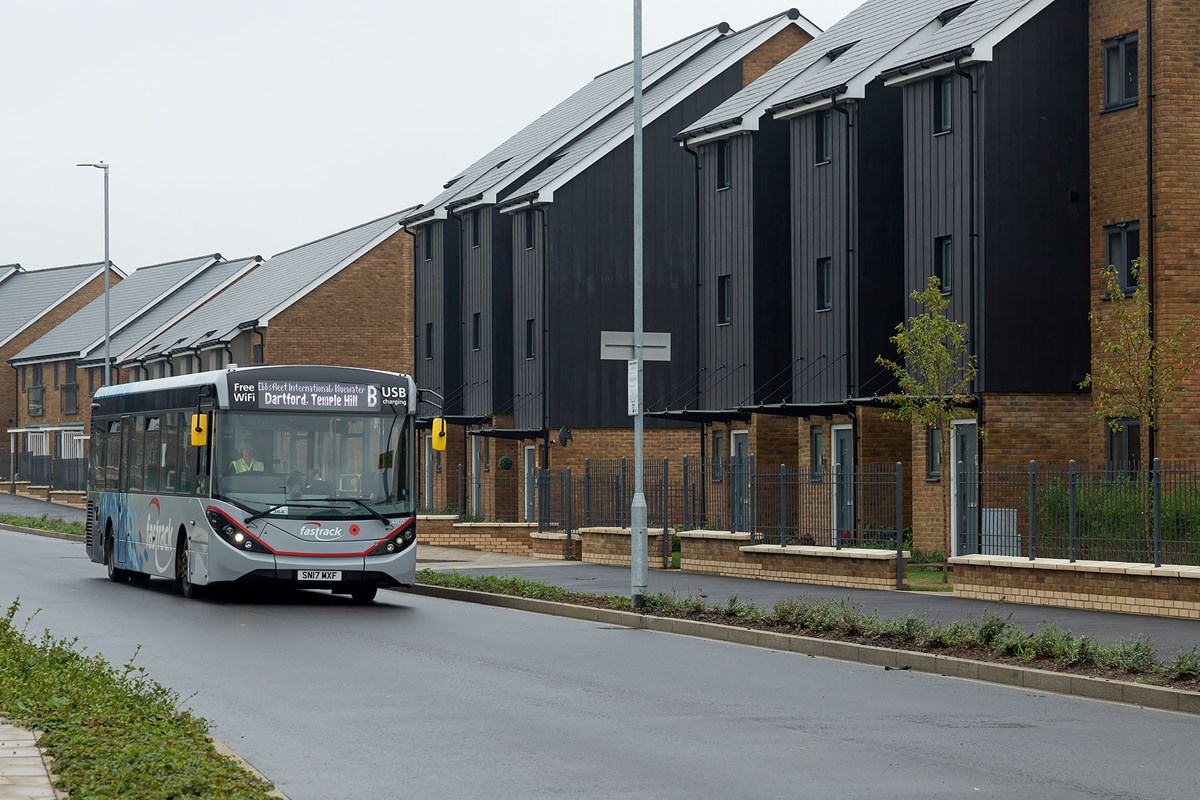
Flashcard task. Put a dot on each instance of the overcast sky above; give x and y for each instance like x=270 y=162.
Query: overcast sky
x=251 y=126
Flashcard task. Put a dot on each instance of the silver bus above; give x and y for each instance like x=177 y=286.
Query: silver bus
x=297 y=476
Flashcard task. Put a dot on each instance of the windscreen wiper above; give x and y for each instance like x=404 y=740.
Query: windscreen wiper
x=264 y=512
x=362 y=502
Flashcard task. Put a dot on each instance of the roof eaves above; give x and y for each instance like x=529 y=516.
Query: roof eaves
x=808 y=99
x=732 y=122
x=926 y=63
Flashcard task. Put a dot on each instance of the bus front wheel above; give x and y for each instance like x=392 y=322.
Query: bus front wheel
x=363 y=594
x=183 y=577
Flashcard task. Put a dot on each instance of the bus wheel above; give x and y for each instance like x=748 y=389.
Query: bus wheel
x=115 y=574
x=183 y=578
x=363 y=594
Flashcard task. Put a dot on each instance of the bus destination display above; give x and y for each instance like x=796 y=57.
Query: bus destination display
x=312 y=396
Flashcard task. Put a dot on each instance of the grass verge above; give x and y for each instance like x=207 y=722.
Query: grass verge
x=992 y=637
x=112 y=731
x=43 y=523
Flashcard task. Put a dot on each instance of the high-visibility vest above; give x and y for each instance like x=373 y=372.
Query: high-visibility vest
x=240 y=466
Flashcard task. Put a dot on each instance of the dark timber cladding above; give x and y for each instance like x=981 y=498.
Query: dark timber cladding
x=436 y=267
x=487 y=291
x=528 y=277
x=1032 y=189
x=590 y=271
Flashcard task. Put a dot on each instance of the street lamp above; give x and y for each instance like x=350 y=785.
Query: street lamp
x=103 y=166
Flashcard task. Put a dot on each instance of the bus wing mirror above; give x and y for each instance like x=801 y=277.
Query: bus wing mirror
x=199 y=430
x=439 y=434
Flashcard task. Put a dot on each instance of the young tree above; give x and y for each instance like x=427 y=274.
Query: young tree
x=934 y=372
x=1136 y=374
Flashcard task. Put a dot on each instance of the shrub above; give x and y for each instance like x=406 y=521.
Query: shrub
x=1186 y=664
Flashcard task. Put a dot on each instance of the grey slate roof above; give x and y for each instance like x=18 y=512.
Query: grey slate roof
x=269 y=285
x=152 y=321
x=26 y=294
x=513 y=156
x=133 y=297
x=966 y=29
x=875 y=28
x=664 y=91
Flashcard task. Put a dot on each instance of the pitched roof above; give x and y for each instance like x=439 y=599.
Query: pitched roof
x=979 y=26
x=660 y=97
x=269 y=288
x=129 y=300
x=25 y=295
x=569 y=118
x=171 y=308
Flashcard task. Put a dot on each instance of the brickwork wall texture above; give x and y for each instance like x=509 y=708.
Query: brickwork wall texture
x=1099 y=591
x=553 y=547
x=611 y=546
x=771 y=52
x=13 y=407
x=486 y=537
x=724 y=557
x=1118 y=183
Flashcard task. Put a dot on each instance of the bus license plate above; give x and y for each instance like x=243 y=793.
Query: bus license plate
x=318 y=575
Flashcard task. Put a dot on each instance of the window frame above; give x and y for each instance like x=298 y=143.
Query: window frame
x=1120 y=440
x=724 y=164
x=717 y=459
x=943 y=104
x=530 y=230
x=476 y=331
x=945 y=276
x=823 y=138
x=824 y=284
x=1121 y=44
x=933 y=453
x=816 y=452
x=530 y=339
x=724 y=300
x=1121 y=231
x=474 y=228
x=428 y=341
x=427 y=241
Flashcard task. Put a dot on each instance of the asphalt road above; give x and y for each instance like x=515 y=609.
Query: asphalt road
x=425 y=698
x=28 y=507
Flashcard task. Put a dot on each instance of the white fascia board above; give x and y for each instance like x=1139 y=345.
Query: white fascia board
x=546 y=194
x=134 y=317
x=724 y=133
x=491 y=194
x=166 y=326
x=387 y=233
x=53 y=305
x=919 y=74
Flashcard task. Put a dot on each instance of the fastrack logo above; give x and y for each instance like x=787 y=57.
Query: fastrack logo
x=313 y=530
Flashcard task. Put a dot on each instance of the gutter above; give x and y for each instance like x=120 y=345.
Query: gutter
x=732 y=122
x=699 y=338
x=915 y=66
x=808 y=99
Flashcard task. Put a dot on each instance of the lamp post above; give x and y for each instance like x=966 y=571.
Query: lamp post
x=107 y=361
x=638 y=545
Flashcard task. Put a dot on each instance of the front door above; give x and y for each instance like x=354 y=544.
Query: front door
x=964 y=489
x=739 y=479
x=531 y=483
x=843 y=484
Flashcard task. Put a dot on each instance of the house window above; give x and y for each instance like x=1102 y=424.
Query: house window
x=723 y=300
x=1124 y=446
x=718 y=455
x=475 y=228
x=816 y=440
x=1123 y=247
x=475 y=330
x=530 y=339
x=487 y=453
x=92 y=381
x=24 y=379
x=943 y=262
x=256 y=357
x=54 y=368
x=724 y=163
x=823 y=122
x=37 y=375
x=1121 y=72
x=933 y=454
x=427 y=242
x=824 y=284
x=428 y=341
x=943 y=103
x=530 y=231
x=69 y=372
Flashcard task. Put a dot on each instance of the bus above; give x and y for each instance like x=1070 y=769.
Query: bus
x=291 y=476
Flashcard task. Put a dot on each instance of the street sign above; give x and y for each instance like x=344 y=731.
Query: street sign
x=618 y=346
x=633 y=387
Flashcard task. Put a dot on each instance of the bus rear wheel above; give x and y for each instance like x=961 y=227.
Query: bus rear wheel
x=183 y=577
x=363 y=594
x=115 y=574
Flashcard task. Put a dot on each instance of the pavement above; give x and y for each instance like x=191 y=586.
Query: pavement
x=1169 y=635
x=28 y=507
x=23 y=773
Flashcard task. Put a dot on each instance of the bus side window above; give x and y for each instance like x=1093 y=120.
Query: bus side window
x=152 y=454
x=186 y=456
x=112 y=457
x=135 y=437
x=170 y=451
x=96 y=454
x=199 y=457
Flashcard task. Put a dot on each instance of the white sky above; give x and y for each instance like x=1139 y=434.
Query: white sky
x=251 y=126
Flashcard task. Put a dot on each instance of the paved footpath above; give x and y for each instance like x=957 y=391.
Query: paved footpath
x=1170 y=635
x=23 y=774
x=28 y=507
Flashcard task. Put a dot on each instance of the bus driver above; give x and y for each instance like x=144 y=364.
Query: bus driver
x=246 y=463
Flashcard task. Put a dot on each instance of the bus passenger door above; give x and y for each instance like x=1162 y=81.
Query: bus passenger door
x=122 y=521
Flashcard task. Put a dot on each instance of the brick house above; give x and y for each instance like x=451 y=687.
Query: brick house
x=32 y=303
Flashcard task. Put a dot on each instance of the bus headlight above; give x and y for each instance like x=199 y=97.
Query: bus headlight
x=234 y=534
x=396 y=542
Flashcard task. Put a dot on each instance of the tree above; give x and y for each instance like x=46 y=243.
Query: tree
x=934 y=372
x=1135 y=374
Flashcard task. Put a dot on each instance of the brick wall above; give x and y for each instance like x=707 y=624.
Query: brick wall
x=12 y=401
x=612 y=546
x=771 y=52
x=731 y=555
x=1118 y=183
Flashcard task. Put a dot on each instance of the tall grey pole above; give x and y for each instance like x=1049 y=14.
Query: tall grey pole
x=638 y=548
x=107 y=361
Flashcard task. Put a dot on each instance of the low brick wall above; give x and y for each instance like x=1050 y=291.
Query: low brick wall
x=612 y=545
x=66 y=498
x=732 y=555
x=553 y=545
x=1166 y=591
x=489 y=537
x=36 y=492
